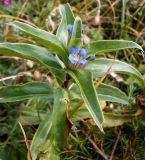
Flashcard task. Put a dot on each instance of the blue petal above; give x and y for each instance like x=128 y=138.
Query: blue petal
x=83 y=52
x=71 y=59
x=83 y=61
x=70 y=28
x=73 y=50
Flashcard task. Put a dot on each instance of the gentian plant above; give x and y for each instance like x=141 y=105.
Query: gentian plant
x=77 y=75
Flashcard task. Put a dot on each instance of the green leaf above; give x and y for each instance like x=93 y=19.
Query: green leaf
x=111 y=94
x=67 y=17
x=110 y=119
x=52 y=133
x=34 y=53
x=76 y=36
x=100 y=66
x=109 y=46
x=66 y=10
x=84 y=81
x=44 y=38
x=77 y=28
x=105 y=93
x=62 y=32
x=26 y=91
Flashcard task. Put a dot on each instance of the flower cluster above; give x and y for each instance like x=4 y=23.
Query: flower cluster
x=76 y=56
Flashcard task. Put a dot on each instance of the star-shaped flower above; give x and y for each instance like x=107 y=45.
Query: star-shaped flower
x=77 y=57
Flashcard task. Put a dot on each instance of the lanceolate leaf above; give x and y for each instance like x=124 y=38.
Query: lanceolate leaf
x=26 y=91
x=109 y=46
x=29 y=51
x=105 y=93
x=34 y=53
x=77 y=28
x=52 y=133
x=66 y=10
x=62 y=32
x=84 y=81
x=66 y=18
x=44 y=38
x=110 y=119
x=100 y=66
x=111 y=94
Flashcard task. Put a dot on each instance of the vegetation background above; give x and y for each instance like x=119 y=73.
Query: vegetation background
x=102 y=19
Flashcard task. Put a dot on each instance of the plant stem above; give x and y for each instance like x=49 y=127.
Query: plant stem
x=97 y=149
x=115 y=145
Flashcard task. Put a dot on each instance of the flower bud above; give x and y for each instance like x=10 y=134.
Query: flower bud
x=70 y=28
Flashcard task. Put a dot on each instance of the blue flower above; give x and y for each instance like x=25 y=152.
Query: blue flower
x=70 y=28
x=77 y=57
